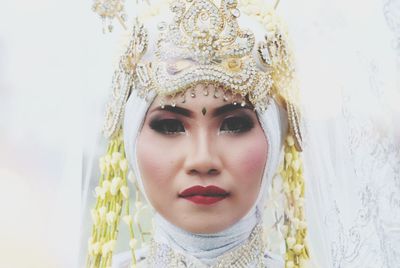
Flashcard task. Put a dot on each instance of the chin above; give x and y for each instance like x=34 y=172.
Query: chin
x=204 y=224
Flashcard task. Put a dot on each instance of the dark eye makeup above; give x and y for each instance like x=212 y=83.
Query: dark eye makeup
x=234 y=124
x=237 y=124
x=167 y=126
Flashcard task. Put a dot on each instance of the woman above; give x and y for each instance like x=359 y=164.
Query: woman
x=206 y=113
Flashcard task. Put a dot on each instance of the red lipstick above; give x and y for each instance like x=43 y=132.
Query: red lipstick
x=204 y=195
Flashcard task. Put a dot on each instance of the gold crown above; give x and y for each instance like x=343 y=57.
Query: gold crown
x=204 y=44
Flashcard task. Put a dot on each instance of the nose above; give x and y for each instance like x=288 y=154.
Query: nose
x=202 y=157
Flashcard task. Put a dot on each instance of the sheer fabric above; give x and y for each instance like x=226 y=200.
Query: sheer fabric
x=348 y=65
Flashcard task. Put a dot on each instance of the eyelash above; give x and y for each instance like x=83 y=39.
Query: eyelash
x=240 y=124
x=233 y=124
x=163 y=126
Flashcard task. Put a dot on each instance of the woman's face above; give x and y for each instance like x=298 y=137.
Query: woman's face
x=202 y=162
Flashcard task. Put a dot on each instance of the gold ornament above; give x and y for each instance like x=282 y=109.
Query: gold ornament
x=108 y=10
x=124 y=79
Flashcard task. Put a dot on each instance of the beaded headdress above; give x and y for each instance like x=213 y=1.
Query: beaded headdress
x=200 y=43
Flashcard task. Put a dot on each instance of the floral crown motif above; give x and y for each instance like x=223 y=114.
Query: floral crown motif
x=204 y=44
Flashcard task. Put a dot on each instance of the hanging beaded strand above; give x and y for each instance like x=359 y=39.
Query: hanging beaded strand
x=111 y=193
x=297 y=252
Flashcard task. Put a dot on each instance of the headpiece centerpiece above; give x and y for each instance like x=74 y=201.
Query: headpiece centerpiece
x=204 y=44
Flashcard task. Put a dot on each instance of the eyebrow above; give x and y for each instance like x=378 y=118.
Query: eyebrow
x=217 y=112
x=176 y=110
x=229 y=108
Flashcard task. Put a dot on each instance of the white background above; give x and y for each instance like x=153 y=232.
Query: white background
x=50 y=64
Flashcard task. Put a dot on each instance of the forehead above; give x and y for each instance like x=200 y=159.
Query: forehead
x=200 y=96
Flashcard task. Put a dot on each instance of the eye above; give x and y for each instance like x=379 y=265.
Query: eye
x=236 y=124
x=167 y=126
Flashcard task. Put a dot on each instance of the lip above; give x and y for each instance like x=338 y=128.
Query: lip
x=204 y=195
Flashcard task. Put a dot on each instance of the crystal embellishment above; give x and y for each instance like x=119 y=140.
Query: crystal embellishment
x=124 y=79
x=204 y=44
x=250 y=254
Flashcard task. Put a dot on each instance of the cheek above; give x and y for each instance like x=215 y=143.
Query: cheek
x=154 y=168
x=255 y=157
x=250 y=157
x=147 y=166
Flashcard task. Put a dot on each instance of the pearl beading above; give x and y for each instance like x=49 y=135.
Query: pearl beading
x=251 y=254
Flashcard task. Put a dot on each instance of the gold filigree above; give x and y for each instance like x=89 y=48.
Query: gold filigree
x=124 y=79
x=274 y=54
x=108 y=10
x=295 y=126
x=204 y=44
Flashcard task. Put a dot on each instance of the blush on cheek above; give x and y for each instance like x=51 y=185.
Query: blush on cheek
x=150 y=169
x=254 y=158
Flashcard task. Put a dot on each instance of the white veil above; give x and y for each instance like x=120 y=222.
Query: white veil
x=348 y=58
x=348 y=65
